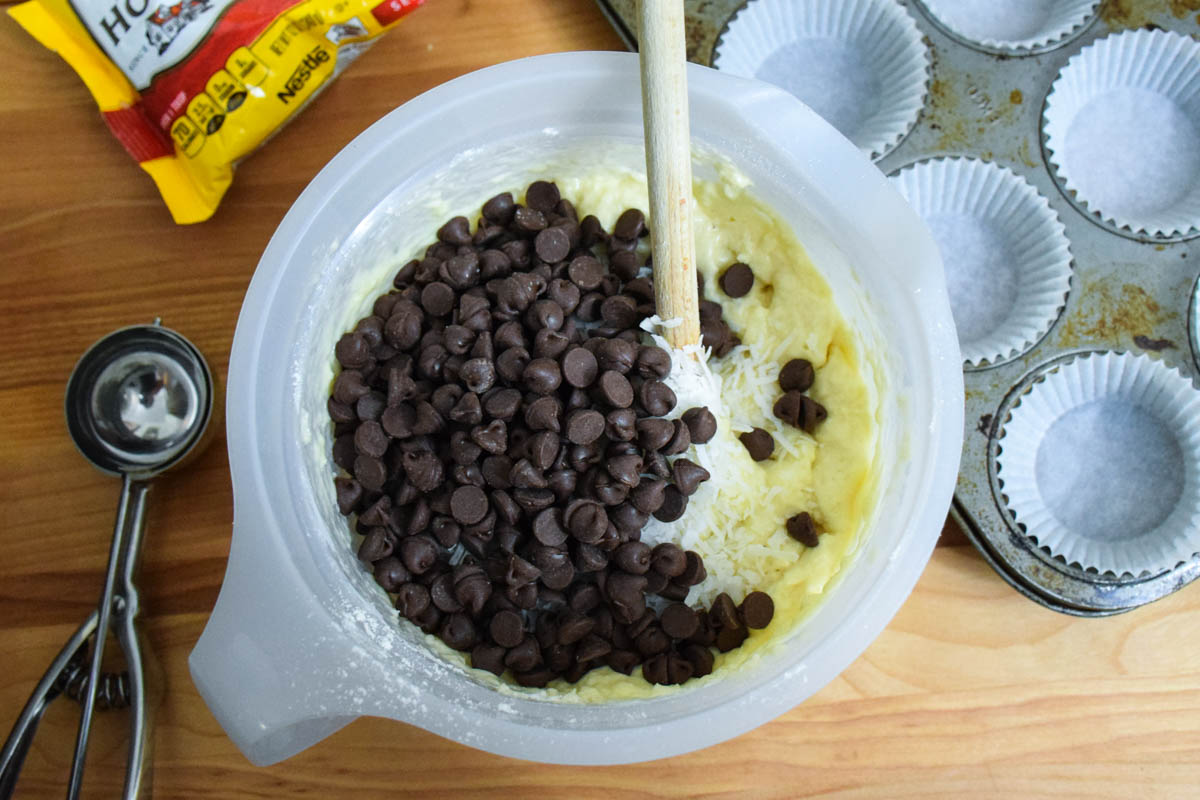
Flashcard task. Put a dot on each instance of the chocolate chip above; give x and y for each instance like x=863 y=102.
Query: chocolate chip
x=621 y=424
x=441 y=592
x=802 y=528
x=700 y=657
x=341 y=413
x=521 y=572
x=688 y=475
x=552 y=245
x=730 y=638
x=789 y=408
x=573 y=626
x=585 y=272
x=379 y=543
x=620 y=311
x=548 y=528
x=525 y=475
x=589 y=307
x=655 y=670
x=502 y=405
x=528 y=220
x=524 y=597
x=510 y=365
x=652 y=641
x=352 y=350
x=630 y=224
x=633 y=557
x=467 y=411
x=462 y=271
x=456 y=231
x=812 y=413
x=468 y=505
x=471 y=587
x=693 y=572
x=758 y=444
x=653 y=362
x=488 y=657
x=437 y=299
x=478 y=374
x=724 y=614
x=625 y=469
x=533 y=500
x=796 y=376
x=349 y=492
x=418 y=554
x=550 y=344
x=370 y=406
x=757 y=610
x=446 y=531
x=648 y=495
x=458 y=632
x=673 y=505
x=400 y=386
x=615 y=389
x=507 y=629
x=679 y=621
x=542 y=375
x=500 y=208
x=378 y=514
x=349 y=386
x=370 y=472
x=656 y=397
x=702 y=425
x=543 y=414
x=586 y=520
x=559 y=576
x=542 y=196
x=584 y=426
x=579 y=367
x=616 y=354
x=736 y=280
x=668 y=559
x=423 y=470
x=542 y=449
x=626 y=595
x=412 y=600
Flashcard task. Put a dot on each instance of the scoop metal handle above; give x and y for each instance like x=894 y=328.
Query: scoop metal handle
x=118 y=608
x=127 y=534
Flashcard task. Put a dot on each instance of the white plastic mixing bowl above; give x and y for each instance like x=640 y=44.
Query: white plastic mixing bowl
x=301 y=641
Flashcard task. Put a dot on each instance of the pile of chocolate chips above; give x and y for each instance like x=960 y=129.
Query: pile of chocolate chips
x=503 y=434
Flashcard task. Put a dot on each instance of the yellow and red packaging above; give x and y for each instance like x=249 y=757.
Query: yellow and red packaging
x=192 y=87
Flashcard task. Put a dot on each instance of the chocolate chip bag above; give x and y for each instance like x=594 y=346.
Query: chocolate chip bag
x=190 y=88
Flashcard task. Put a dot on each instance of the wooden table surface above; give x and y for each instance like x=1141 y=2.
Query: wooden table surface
x=971 y=691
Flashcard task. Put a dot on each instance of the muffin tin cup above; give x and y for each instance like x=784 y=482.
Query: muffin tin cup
x=860 y=64
x=1005 y=252
x=1016 y=27
x=1121 y=129
x=1099 y=464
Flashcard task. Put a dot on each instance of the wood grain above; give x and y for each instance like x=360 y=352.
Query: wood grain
x=971 y=691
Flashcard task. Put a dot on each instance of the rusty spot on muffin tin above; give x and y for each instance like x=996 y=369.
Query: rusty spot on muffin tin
x=1128 y=293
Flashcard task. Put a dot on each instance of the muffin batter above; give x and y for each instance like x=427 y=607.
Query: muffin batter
x=736 y=520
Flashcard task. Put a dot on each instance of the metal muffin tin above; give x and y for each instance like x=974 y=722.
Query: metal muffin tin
x=1129 y=292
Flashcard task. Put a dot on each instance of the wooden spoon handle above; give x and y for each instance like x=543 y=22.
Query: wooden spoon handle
x=669 y=166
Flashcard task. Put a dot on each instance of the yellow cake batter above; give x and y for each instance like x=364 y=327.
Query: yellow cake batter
x=736 y=520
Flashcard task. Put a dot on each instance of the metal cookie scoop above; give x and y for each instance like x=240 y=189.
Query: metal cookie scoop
x=137 y=403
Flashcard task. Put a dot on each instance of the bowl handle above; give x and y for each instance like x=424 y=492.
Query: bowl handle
x=258 y=663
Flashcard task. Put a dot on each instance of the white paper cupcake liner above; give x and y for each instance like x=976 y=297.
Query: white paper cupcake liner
x=1100 y=462
x=1012 y=25
x=1005 y=252
x=860 y=64
x=1122 y=130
